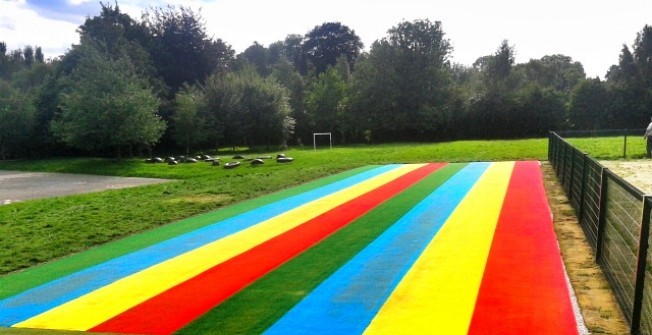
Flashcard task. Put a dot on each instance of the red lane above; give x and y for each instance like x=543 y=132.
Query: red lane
x=524 y=289
x=181 y=304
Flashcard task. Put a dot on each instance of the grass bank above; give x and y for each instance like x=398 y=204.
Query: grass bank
x=37 y=231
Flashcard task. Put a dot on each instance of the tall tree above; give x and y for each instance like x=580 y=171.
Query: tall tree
x=190 y=117
x=256 y=56
x=326 y=103
x=555 y=71
x=403 y=89
x=253 y=110
x=16 y=120
x=28 y=53
x=643 y=55
x=38 y=55
x=182 y=50
x=108 y=105
x=589 y=106
x=324 y=44
x=289 y=77
x=495 y=69
x=119 y=35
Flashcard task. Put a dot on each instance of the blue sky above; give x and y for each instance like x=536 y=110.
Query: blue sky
x=589 y=31
x=64 y=10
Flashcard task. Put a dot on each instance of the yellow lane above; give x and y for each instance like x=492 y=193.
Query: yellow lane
x=438 y=294
x=111 y=300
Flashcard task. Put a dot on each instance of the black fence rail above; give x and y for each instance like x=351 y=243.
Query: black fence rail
x=615 y=217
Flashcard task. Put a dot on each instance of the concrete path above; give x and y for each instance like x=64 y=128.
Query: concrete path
x=18 y=186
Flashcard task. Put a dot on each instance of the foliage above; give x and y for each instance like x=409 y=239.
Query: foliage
x=120 y=35
x=588 y=106
x=326 y=102
x=324 y=44
x=401 y=88
x=248 y=109
x=190 y=126
x=181 y=49
x=108 y=106
x=16 y=120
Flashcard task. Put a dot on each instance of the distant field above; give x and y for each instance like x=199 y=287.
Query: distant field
x=611 y=148
x=34 y=232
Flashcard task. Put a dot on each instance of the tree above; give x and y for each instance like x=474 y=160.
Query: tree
x=16 y=120
x=288 y=76
x=401 y=89
x=189 y=119
x=108 y=105
x=630 y=82
x=324 y=44
x=554 y=71
x=327 y=102
x=28 y=53
x=117 y=34
x=250 y=110
x=182 y=50
x=588 y=105
x=256 y=56
x=643 y=55
x=38 y=55
x=495 y=69
x=293 y=46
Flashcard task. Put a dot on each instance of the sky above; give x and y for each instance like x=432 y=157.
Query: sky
x=590 y=31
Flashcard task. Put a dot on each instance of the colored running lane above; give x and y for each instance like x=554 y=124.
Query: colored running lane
x=477 y=255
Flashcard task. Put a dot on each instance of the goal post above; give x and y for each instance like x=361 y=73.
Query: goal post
x=314 y=139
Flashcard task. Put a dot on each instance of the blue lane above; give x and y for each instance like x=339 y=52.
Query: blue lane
x=346 y=302
x=42 y=298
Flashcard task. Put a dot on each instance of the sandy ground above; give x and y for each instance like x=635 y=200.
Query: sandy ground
x=600 y=310
x=636 y=172
x=18 y=186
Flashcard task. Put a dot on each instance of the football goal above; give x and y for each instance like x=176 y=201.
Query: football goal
x=314 y=139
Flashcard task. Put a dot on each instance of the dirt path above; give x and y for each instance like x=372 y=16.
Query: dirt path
x=598 y=304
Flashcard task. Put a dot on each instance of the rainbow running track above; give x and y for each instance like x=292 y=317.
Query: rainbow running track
x=395 y=249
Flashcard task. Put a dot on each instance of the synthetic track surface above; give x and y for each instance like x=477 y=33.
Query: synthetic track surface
x=415 y=248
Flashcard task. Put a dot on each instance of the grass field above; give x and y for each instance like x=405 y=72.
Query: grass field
x=609 y=148
x=37 y=231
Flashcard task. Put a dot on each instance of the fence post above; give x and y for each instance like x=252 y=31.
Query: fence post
x=601 y=214
x=641 y=261
x=625 y=145
x=563 y=165
x=572 y=174
x=583 y=188
x=555 y=156
x=550 y=146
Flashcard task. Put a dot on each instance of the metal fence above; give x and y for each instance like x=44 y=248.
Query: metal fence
x=615 y=217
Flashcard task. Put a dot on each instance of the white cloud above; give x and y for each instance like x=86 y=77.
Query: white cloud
x=24 y=27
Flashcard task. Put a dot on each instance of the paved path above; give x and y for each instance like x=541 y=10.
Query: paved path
x=19 y=186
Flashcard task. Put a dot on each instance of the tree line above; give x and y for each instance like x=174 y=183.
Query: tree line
x=163 y=83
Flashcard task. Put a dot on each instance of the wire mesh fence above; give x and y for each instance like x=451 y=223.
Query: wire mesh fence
x=615 y=217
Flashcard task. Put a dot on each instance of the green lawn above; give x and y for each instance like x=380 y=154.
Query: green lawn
x=611 y=148
x=34 y=232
